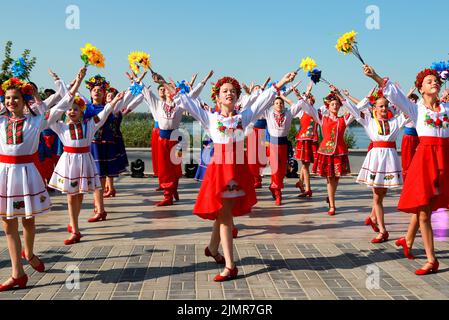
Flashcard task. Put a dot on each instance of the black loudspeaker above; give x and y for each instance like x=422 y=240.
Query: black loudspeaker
x=190 y=170
x=137 y=169
x=292 y=169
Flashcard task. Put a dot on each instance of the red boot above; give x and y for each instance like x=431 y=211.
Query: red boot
x=168 y=198
x=278 y=197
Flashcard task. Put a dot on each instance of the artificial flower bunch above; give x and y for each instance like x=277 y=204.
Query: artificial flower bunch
x=92 y=56
x=375 y=96
x=137 y=60
x=348 y=44
x=14 y=83
x=442 y=68
x=19 y=68
x=307 y=64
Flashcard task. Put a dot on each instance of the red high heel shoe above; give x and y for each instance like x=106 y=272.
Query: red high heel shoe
x=218 y=257
x=407 y=251
x=370 y=222
x=21 y=282
x=232 y=275
x=278 y=200
x=306 y=194
x=75 y=238
x=332 y=213
x=235 y=232
x=300 y=186
x=98 y=217
x=40 y=267
x=70 y=230
x=434 y=269
x=384 y=238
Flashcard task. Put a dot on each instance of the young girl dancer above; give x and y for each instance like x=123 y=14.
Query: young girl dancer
x=332 y=160
x=381 y=169
x=76 y=173
x=306 y=148
x=227 y=189
x=25 y=194
x=429 y=190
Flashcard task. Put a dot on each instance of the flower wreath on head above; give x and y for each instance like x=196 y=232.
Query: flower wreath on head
x=80 y=103
x=424 y=73
x=216 y=87
x=14 y=83
x=331 y=97
x=375 y=96
x=97 y=81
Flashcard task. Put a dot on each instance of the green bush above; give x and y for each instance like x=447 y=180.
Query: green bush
x=350 y=139
x=136 y=129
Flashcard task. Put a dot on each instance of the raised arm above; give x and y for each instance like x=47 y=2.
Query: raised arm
x=151 y=100
x=56 y=112
x=393 y=93
x=193 y=107
x=265 y=100
x=196 y=91
x=100 y=119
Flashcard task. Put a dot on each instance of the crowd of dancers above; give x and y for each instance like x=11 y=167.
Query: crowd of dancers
x=244 y=130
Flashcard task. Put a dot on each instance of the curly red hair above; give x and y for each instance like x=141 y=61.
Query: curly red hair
x=216 y=87
x=424 y=73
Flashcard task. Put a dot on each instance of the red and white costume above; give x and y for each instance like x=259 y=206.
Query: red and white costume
x=169 y=117
x=430 y=164
x=227 y=175
x=278 y=124
x=381 y=168
x=76 y=171
x=332 y=156
x=306 y=138
x=22 y=191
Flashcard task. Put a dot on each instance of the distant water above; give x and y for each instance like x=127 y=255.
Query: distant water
x=362 y=140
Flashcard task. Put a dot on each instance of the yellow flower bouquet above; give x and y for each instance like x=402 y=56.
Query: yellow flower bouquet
x=92 y=56
x=347 y=44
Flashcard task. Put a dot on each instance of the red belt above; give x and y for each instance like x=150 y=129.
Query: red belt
x=77 y=150
x=384 y=144
x=434 y=141
x=32 y=158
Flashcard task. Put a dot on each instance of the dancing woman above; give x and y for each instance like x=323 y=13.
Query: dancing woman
x=228 y=188
x=429 y=190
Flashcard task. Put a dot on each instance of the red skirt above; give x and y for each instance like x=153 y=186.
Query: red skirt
x=306 y=150
x=408 y=149
x=154 y=149
x=218 y=174
x=331 y=166
x=430 y=171
x=169 y=172
x=256 y=151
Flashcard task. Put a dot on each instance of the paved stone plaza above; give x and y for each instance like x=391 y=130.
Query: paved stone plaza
x=295 y=251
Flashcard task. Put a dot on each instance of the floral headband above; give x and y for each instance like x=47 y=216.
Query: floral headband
x=80 y=103
x=424 y=73
x=14 y=83
x=216 y=87
x=331 y=97
x=97 y=81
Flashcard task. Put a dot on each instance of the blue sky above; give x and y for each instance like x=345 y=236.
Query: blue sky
x=249 y=40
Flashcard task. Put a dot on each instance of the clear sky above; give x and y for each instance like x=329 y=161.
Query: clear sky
x=249 y=39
